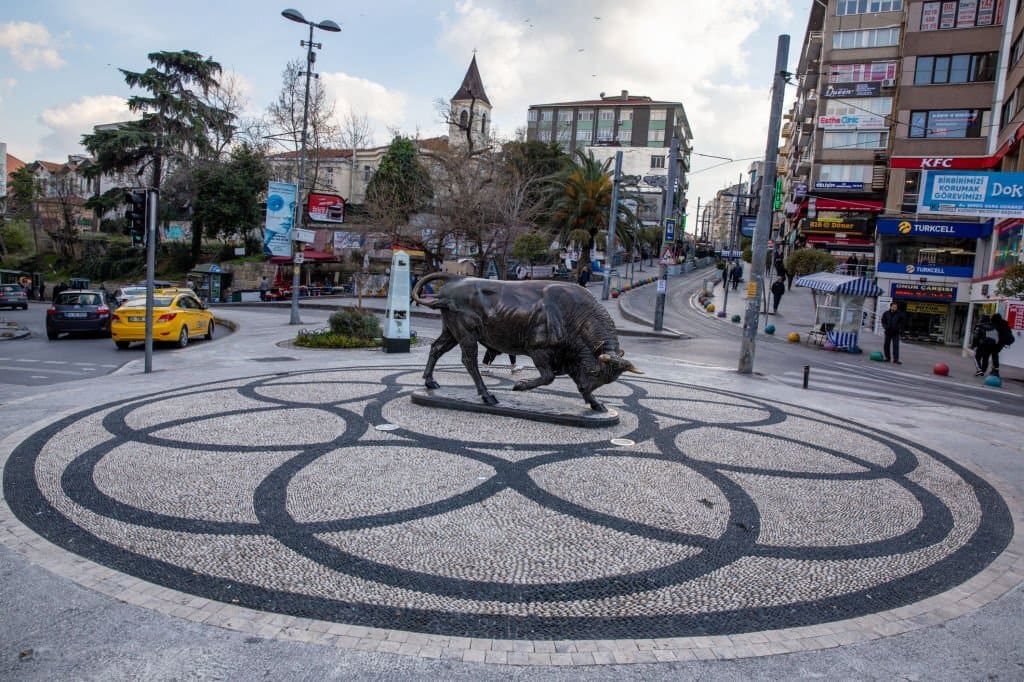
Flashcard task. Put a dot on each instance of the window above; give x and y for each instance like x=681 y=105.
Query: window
x=367 y=172
x=655 y=135
x=546 y=115
x=625 y=116
x=606 y=116
x=531 y=115
x=1017 y=49
x=329 y=176
x=658 y=161
x=956 y=68
x=872 y=37
x=834 y=172
x=624 y=135
x=463 y=118
x=911 y=189
x=929 y=251
x=861 y=73
x=858 y=106
x=867 y=6
x=856 y=139
x=565 y=116
x=947 y=123
x=604 y=134
x=585 y=115
x=659 y=114
x=483 y=122
x=937 y=16
x=1009 y=109
x=583 y=134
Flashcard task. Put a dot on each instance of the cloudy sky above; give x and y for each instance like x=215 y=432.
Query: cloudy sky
x=59 y=62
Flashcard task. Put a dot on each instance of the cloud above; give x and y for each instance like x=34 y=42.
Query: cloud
x=383 y=107
x=714 y=57
x=29 y=45
x=68 y=123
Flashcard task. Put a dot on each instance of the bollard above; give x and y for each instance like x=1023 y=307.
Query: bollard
x=807 y=374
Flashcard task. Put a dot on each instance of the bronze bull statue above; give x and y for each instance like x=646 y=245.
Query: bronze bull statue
x=560 y=326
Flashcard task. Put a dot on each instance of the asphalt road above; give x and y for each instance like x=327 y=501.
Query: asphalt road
x=35 y=360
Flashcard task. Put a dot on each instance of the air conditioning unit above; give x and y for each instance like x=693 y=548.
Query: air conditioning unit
x=889 y=83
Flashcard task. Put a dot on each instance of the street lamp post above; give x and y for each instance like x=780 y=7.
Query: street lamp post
x=326 y=25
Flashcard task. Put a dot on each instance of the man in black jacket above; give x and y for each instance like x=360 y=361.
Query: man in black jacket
x=893 y=322
x=1005 y=338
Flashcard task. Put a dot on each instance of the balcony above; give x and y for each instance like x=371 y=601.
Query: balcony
x=787 y=129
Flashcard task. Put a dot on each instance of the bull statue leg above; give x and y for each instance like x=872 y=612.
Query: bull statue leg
x=444 y=343
x=547 y=375
x=469 y=355
x=588 y=395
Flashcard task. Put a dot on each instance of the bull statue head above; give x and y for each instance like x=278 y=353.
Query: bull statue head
x=617 y=363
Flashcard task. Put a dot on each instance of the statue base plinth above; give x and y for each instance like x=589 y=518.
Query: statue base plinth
x=519 y=404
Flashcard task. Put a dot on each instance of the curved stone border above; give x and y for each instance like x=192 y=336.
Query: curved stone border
x=1004 y=573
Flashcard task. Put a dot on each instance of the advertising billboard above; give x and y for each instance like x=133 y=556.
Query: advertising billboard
x=277 y=234
x=325 y=208
x=934 y=228
x=976 y=193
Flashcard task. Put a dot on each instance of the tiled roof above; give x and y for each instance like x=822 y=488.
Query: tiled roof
x=318 y=153
x=609 y=102
x=13 y=165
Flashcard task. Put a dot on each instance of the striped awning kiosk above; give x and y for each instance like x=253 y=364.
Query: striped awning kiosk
x=840 y=315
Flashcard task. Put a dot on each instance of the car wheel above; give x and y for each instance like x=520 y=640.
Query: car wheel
x=122 y=345
x=52 y=335
x=209 y=331
x=183 y=337
x=25 y=307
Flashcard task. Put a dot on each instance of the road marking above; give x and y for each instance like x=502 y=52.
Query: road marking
x=23 y=360
x=39 y=376
x=36 y=369
x=50 y=362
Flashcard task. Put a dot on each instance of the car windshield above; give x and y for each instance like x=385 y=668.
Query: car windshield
x=158 y=302
x=79 y=299
x=133 y=291
x=9 y=289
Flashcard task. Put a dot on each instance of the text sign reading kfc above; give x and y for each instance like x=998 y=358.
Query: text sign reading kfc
x=942 y=162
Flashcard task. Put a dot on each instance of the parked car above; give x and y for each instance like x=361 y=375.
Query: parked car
x=13 y=296
x=124 y=293
x=78 y=311
x=177 y=318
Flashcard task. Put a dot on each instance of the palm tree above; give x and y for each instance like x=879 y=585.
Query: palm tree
x=581 y=196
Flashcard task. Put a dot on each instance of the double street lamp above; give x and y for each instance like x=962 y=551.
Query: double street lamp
x=325 y=25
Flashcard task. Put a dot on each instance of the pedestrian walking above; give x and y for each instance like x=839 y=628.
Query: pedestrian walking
x=789 y=280
x=1004 y=338
x=780 y=266
x=778 y=289
x=737 y=275
x=584 y=277
x=984 y=339
x=894 y=321
x=264 y=288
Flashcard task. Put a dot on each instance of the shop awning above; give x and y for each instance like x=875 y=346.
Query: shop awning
x=309 y=255
x=830 y=282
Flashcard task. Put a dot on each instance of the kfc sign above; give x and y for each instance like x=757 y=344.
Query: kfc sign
x=942 y=162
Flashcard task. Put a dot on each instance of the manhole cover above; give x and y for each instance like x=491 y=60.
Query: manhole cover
x=386 y=427
x=624 y=442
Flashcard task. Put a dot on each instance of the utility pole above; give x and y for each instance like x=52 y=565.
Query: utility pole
x=609 y=250
x=670 y=196
x=764 y=209
x=152 y=202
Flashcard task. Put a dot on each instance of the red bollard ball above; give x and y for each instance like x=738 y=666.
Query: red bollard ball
x=941 y=368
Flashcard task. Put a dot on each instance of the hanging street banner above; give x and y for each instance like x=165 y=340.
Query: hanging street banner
x=974 y=193
x=277 y=234
x=325 y=208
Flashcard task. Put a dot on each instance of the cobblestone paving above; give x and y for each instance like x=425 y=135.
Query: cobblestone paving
x=281 y=502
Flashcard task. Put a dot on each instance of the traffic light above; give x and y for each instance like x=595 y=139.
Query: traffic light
x=136 y=217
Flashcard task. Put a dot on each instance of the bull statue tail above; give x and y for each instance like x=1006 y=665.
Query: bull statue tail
x=431 y=303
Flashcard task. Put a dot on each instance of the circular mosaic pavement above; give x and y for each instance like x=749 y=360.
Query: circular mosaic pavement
x=726 y=514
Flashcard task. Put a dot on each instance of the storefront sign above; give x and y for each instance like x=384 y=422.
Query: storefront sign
x=346 y=240
x=747 y=225
x=928 y=308
x=1015 y=316
x=840 y=185
x=999 y=195
x=942 y=162
x=800 y=190
x=856 y=225
x=925 y=270
x=873 y=89
x=852 y=122
x=920 y=291
x=326 y=208
x=935 y=228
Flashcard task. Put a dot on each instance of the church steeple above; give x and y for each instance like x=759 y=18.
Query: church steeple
x=472 y=86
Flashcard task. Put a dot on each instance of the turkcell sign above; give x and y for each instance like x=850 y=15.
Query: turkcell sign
x=977 y=193
x=935 y=228
x=918 y=270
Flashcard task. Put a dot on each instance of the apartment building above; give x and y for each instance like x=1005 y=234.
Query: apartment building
x=888 y=90
x=639 y=126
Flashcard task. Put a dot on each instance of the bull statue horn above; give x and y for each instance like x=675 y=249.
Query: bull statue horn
x=604 y=358
x=622 y=351
x=630 y=367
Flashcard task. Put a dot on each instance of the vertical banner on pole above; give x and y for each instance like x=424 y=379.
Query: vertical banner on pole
x=277 y=234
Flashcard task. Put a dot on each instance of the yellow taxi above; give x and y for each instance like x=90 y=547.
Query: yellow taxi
x=177 y=317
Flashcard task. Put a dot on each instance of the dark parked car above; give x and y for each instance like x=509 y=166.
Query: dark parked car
x=79 y=311
x=13 y=296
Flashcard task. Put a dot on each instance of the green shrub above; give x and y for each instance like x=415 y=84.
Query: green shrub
x=324 y=338
x=355 y=323
x=809 y=261
x=17 y=236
